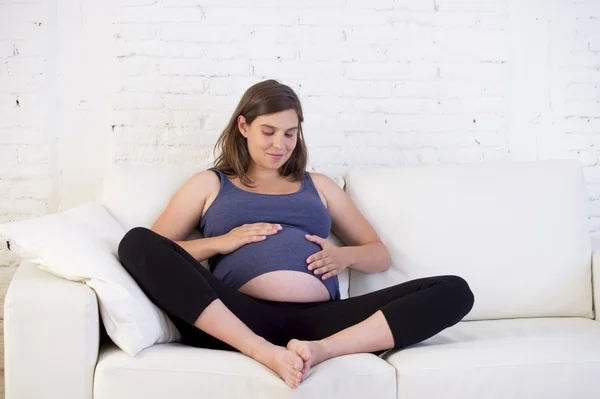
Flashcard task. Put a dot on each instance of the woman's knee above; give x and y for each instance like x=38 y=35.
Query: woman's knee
x=459 y=293
x=135 y=243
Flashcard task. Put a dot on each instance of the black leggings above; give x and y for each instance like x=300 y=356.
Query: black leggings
x=179 y=285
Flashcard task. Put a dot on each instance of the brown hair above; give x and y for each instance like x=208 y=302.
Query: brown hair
x=263 y=98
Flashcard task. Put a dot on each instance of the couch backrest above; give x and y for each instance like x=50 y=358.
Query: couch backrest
x=517 y=232
x=136 y=195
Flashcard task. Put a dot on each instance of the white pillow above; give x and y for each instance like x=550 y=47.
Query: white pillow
x=81 y=244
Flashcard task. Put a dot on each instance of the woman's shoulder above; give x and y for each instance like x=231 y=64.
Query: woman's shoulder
x=315 y=176
x=205 y=176
x=324 y=182
x=204 y=182
x=327 y=187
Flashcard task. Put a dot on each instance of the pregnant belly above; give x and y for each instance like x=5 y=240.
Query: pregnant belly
x=286 y=286
x=274 y=269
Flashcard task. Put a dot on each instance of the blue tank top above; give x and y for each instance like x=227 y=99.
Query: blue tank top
x=298 y=214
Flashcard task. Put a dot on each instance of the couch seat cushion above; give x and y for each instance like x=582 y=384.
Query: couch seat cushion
x=522 y=358
x=174 y=370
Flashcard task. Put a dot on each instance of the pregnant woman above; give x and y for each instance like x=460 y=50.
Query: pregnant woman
x=272 y=290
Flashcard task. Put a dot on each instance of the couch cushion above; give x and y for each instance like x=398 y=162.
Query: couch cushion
x=518 y=359
x=517 y=232
x=136 y=195
x=179 y=371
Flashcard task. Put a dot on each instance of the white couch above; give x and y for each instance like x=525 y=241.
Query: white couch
x=517 y=232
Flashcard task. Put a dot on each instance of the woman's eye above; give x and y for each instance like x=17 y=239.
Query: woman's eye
x=270 y=133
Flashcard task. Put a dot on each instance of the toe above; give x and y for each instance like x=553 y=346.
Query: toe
x=305 y=353
x=299 y=364
x=292 y=344
x=296 y=380
x=290 y=379
x=300 y=349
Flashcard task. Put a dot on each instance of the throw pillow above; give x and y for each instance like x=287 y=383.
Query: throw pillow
x=80 y=244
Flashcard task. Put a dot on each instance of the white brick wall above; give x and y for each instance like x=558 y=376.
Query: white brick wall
x=381 y=81
x=25 y=176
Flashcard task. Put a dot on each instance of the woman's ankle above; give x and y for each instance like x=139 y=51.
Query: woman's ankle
x=255 y=347
x=326 y=349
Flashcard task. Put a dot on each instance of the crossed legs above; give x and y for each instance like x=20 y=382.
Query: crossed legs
x=289 y=339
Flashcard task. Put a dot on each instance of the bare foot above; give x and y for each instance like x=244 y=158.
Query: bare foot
x=287 y=364
x=312 y=352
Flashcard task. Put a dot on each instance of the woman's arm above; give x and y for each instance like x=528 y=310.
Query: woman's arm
x=372 y=257
x=201 y=248
x=183 y=213
x=365 y=251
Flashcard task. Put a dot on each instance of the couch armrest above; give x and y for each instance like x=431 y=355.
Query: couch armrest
x=596 y=282
x=51 y=336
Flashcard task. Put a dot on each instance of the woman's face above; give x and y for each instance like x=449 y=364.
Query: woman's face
x=271 y=138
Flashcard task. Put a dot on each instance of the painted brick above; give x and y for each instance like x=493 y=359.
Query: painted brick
x=384 y=81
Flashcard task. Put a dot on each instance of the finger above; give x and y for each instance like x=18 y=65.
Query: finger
x=317 y=264
x=323 y=269
x=314 y=238
x=270 y=225
x=261 y=226
x=320 y=260
x=328 y=275
x=316 y=256
x=263 y=230
x=255 y=238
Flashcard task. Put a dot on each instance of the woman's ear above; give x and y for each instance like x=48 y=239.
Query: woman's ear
x=242 y=125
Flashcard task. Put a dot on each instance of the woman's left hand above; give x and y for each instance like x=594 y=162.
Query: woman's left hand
x=329 y=262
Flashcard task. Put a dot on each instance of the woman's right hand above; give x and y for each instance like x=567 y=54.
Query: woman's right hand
x=246 y=234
